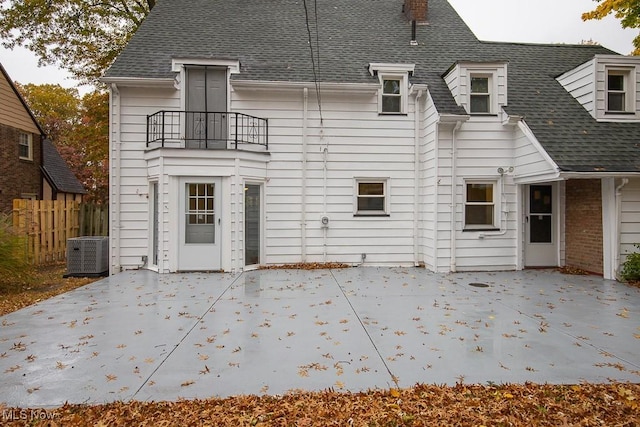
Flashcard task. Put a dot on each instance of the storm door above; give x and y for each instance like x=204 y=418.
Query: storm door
x=206 y=104
x=541 y=242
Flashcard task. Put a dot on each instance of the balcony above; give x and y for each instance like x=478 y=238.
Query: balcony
x=207 y=130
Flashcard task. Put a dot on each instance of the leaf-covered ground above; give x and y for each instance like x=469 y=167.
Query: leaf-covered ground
x=614 y=404
x=40 y=284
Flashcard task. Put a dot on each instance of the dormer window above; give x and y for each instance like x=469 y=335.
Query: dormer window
x=616 y=91
x=480 y=95
x=391 y=96
x=394 y=86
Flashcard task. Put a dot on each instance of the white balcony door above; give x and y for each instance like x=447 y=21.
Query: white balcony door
x=206 y=105
x=200 y=225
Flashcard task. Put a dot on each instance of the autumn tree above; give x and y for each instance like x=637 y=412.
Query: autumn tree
x=83 y=37
x=628 y=11
x=55 y=107
x=79 y=128
x=86 y=149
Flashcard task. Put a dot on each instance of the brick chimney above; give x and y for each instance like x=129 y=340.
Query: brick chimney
x=415 y=10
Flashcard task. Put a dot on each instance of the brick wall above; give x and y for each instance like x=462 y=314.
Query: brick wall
x=583 y=225
x=18 y=177
x=416 y=10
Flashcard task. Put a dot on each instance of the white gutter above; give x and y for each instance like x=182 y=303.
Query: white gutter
x=303 y=208
x=416 y=178
x=139 y=81
x=597 y=175
x=114 y=178
x=296 y=86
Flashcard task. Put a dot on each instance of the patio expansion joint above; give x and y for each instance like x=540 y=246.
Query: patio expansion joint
x=355 y=313
x=564 y=332
x=175 y=347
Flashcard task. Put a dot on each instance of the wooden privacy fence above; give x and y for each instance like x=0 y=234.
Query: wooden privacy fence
x=47 y=224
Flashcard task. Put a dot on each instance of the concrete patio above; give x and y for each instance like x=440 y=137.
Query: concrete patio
x=143 y=336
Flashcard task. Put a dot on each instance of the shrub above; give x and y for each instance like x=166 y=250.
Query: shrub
x=14 y=267
x=631 y=267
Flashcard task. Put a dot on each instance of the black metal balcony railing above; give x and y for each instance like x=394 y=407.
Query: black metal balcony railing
x=206 y=129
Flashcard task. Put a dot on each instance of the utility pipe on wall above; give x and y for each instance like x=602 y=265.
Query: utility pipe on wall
x=303 y=202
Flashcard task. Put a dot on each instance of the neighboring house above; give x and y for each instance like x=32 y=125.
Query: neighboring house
x=59 y=182
x=20 y=147
x=426 y=147
x=30 y=166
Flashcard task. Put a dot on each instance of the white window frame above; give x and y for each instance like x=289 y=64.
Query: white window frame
x=25 y=140
x=404 y=85
x=357 y=196
x=627 y=89
x=495 y=203
x=491 y=91
x=392 y=71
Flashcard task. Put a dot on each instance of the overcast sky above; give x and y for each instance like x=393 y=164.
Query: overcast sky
x=534 y=21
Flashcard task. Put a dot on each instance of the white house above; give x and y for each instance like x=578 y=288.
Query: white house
x=253 y=132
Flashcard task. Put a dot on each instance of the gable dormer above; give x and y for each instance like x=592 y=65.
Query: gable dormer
x=607 y=86
x=479 y=87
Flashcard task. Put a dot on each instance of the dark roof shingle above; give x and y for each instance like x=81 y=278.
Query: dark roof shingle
x=57 y=172
x=271 y=42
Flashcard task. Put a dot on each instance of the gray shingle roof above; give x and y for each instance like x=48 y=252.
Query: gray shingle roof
x=270 y=40
x=57 y=172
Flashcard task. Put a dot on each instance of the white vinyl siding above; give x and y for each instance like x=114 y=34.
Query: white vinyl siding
x=588 y=83
x=580 y=83
x=359 y=143
x=629 y=214
x=482 y=146
x=460 y=80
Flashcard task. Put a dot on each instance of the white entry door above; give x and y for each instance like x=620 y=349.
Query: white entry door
x=200 y=224
x=541 y=240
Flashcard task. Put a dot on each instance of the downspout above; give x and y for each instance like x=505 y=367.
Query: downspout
x=416 y=179
x=454 y=193
x=303 y=202
x=238 y=184
x=325 y=229
x=616 y=239
x=114 y=178
x=436 y=192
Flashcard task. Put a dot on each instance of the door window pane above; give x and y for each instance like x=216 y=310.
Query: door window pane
x=252 y=224
x=200 y=214
x=540 y=228
x=540 y=199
